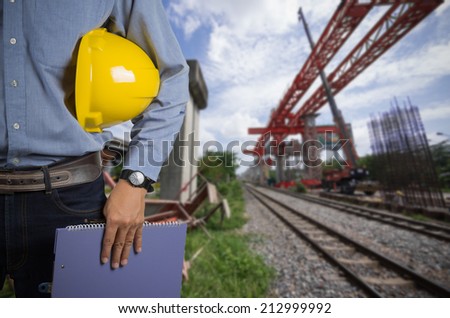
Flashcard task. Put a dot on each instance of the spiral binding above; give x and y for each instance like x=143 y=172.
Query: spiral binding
x=93 y=226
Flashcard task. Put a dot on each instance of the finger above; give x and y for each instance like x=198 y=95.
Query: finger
x=108 y=240
x=127 y=246
x=118 y=246
x=138 y=239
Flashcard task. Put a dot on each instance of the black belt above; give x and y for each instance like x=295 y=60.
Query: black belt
x=62 y=174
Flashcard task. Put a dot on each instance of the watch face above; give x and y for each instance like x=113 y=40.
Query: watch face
x=136 y=178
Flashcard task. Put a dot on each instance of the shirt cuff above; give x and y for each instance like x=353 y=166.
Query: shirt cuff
x=145 y=158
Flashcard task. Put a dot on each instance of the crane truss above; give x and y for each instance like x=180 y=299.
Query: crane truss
x=398 y=20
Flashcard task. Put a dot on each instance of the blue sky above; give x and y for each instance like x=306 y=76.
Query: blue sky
x=251 y=50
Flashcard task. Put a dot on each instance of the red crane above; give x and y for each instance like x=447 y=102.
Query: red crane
x=401 y=17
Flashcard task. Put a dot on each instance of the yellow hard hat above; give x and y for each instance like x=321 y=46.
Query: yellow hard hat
x=115 y=80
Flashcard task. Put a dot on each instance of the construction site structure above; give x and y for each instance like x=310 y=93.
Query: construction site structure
x=183 y=190
x=348 y=178
x=182 y=164
x=400 y=147
x=400 y=17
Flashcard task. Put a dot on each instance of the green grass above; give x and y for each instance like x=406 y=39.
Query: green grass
x=418 y=217
x=226 y=267
x=6 y=292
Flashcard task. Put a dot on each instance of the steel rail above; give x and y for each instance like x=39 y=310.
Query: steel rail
x=350 y=274
x=380 y=216
x=433 y=287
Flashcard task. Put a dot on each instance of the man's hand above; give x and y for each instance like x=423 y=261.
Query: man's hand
x=124 y=213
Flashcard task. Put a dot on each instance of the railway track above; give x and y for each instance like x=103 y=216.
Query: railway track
x=376 y=274
x=436 y=231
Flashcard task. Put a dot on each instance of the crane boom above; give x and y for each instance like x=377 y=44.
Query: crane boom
x=349 y=149
x=400 y=18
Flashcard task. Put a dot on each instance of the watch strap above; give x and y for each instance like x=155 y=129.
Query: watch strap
x=146 y=184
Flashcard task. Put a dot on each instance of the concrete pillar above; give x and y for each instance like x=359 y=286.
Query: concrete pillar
x=182 y=163
x=264 y=173
x=310 y=148
x=280 y=166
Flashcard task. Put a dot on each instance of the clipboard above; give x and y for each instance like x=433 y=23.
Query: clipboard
x=156 y=272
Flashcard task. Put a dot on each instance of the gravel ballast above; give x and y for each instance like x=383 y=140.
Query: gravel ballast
x=426 y=255
x=301 y=271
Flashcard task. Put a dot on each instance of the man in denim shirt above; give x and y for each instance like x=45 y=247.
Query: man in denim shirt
x=41 y=142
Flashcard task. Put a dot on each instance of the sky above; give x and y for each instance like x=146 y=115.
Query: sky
x=251 y=50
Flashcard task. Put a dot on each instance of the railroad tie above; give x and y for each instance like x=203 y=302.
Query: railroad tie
x=392 y=281
x=360 y=261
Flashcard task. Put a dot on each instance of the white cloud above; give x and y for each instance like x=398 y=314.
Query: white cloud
x=256 y=47
x=392 y=76
x=249 y=16
x=192 y=24
x=233 y=126
x=436 y=112
x=361 y=136
x=443 y=8
x=430 y=115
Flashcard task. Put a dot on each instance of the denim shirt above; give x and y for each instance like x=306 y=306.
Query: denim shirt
x=38 y=63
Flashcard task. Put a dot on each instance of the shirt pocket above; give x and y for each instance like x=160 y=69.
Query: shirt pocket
x=56 y=27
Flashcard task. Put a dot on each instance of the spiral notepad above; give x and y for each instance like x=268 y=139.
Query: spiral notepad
x=155 y=272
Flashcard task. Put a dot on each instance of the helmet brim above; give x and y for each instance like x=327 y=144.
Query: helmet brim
x=83 y=83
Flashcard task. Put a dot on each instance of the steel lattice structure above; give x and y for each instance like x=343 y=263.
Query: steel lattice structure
x=400 y=146
x=401 y=17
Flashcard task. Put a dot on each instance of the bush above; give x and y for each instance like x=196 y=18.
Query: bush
x=300 y=187
x=226 y=267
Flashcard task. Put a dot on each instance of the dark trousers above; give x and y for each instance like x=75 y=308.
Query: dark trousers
x=27 y=230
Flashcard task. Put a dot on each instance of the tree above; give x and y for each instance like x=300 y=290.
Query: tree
x=441 y=159
x=375 y=164
x=219 y=166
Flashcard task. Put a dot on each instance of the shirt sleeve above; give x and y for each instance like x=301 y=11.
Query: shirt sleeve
x=154 y=131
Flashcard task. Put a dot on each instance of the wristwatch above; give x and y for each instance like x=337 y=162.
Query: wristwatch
x=137 y=179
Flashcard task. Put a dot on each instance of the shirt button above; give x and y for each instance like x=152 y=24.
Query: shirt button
x=12 y=41
x=14 y=83
x=12 y=1
x=16 y=126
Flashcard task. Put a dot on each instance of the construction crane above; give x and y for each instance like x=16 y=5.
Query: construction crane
x=348 y=179
x=400 y=18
